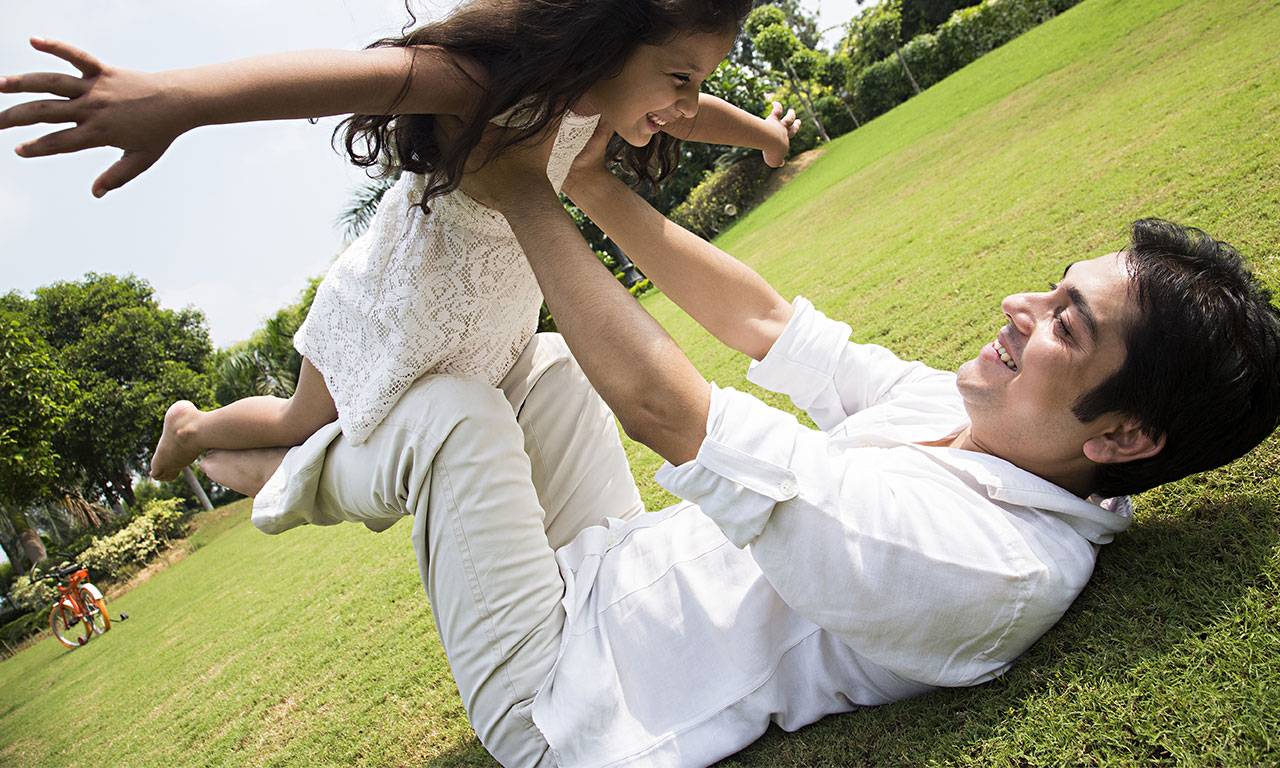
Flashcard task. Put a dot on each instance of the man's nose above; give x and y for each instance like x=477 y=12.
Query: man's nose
x=1019 y=311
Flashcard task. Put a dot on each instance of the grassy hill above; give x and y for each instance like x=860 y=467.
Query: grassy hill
x=316 y=648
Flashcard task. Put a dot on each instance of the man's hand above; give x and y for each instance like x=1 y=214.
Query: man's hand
x=781 y=126
x=110 y=108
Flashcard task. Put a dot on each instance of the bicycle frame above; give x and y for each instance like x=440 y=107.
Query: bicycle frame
x=71 y=608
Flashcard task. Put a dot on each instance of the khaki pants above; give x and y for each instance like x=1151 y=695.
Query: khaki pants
x=491 y=497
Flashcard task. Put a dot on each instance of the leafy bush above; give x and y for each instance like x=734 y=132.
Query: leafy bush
x=24 y=626
x=722 y=196
x=31 y=595
x=968 y=34
x=136 y=543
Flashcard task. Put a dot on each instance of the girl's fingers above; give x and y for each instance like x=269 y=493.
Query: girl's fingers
x=33 y=112
x=88 y=65
x=44 y=82
x=123 y=171
x=58 y=143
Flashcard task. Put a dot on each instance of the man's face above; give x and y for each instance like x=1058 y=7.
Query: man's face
x=1060 y=344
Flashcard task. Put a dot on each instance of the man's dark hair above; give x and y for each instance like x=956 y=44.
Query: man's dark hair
x=1202 y=366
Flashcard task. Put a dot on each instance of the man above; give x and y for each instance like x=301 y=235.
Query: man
x=929 y=532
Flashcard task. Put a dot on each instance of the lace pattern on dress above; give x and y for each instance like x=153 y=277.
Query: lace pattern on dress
x=448 y=291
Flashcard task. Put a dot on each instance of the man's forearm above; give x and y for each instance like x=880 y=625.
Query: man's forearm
x=722 y=294
x=638 y=369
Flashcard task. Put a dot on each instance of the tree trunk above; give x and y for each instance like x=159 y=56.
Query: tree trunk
x=808 y=103
x=126 y=490
x=28 y=539
x=196 y=488
x=902 y=60
x=852 y=116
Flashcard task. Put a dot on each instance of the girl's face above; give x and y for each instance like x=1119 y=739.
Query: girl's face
x=658 y=85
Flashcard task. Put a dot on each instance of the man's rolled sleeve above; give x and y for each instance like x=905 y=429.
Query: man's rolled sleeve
x=829 y=377
x=803 y=361
x=743 y=467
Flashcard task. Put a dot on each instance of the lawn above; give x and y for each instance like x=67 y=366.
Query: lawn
x=316 y=647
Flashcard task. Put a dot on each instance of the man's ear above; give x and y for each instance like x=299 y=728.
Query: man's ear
x=1126 y=441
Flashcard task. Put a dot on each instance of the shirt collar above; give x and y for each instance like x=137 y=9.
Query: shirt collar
x=1097 y=520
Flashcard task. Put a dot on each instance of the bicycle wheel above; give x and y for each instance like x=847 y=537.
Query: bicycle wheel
x=69 y=628
x=96 y=615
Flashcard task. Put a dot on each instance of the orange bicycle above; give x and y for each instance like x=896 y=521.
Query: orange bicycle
x=79 y=613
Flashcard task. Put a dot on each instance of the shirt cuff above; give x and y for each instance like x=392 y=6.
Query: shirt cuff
x=802 y=361
x=743 y=467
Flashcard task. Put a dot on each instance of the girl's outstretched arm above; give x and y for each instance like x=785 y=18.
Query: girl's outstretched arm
x=719 y=122
x=725 y=296
x=142 y=113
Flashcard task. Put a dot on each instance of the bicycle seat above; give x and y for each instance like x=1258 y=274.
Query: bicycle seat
x=68 y=570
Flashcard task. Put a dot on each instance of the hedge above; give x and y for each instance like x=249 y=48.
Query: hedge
x=967 y=35
x=722 y=196
x=139 y=541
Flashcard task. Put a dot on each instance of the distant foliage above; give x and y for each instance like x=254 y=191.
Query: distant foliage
x=723 y=196
x=967 y=35
x=138 y=542
x=30 y=595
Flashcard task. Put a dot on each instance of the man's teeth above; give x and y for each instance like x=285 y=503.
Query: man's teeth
x=1005 y=356
x=657 y=120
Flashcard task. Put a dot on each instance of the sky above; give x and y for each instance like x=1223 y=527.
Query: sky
x=233 y=220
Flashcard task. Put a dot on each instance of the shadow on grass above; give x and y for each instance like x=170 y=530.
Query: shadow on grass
x=1175 y=580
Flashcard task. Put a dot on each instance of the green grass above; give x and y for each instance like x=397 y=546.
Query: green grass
x=316 y=648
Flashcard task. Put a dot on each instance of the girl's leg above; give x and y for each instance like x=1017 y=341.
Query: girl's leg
x=254 y=422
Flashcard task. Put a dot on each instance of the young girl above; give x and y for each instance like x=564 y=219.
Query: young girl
x=438 y=284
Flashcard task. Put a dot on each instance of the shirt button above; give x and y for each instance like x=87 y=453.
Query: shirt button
x=788 y=487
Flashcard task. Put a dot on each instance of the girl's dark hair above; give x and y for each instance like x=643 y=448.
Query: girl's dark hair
x=540 y=56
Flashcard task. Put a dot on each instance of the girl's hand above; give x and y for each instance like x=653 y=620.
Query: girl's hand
x=781 y=127
x=110 y=108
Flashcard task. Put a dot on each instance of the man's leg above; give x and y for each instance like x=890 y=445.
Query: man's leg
x=451 y=455
x=578 y=465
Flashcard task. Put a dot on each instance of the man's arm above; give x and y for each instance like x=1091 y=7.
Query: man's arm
x=724 y=295
x=641 y=373
x=144 y=112
x=719 y=122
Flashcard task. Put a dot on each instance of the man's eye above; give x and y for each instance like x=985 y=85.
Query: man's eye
x=1064 y=330
x=682 y=79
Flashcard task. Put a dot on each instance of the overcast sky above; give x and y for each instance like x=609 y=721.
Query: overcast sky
x=234 y=219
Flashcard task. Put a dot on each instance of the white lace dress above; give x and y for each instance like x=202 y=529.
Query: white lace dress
x=448 y=291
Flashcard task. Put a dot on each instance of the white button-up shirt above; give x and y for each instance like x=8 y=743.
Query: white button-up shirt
x=811 y=571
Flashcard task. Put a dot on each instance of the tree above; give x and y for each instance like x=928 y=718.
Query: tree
x=776 y=43
x=923 y=16
x=876 y=34
x=35 y=397
x=129 y=359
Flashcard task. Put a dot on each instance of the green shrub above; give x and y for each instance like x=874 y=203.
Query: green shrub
x=968 y=34
x=25 y=626
x=722 y=196
x=833 y=114
x=139 y=541
x=31 y=595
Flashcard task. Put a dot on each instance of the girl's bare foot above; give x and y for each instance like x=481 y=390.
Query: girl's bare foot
x=176 y=448
x=243 y=471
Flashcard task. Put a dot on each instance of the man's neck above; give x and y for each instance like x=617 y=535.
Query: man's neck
x=1076 y=478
